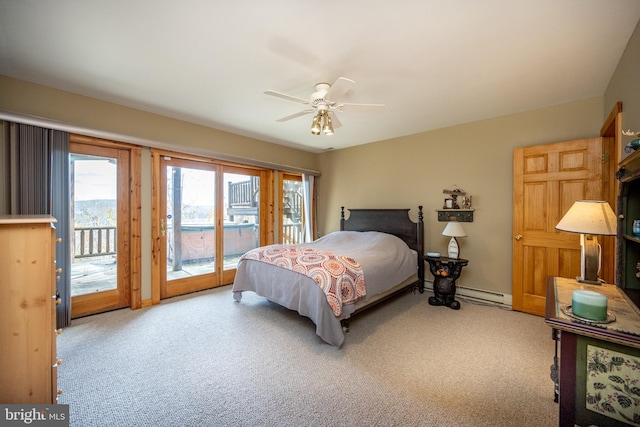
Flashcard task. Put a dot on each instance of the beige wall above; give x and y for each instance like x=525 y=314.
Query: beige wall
x=478 y=157
x=97 y=118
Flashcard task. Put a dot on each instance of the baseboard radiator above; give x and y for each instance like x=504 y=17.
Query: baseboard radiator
x=479 y=295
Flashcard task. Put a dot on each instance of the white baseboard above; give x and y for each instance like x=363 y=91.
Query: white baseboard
x=489 y=297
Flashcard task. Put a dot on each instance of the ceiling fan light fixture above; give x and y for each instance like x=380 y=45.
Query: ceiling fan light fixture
x=324 y=101
x=316 y=124
x=328 y=126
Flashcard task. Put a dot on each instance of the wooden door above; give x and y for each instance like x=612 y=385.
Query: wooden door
x=105 y=268
x=548 y=179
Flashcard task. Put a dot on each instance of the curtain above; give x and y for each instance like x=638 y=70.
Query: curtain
x=61 y=210
x=34 y=164
x=307 y=194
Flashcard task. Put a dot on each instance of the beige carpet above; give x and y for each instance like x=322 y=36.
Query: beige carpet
x=205 y=360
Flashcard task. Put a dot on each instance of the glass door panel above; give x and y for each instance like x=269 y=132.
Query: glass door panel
x=241 y=216
x=292 y=211
x=95 y=219
x=190 y=223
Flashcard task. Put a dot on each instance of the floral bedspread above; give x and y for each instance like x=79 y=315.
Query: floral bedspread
x=340 y=277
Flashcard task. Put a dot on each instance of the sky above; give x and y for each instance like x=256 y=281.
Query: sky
x=94 y=180
x=97 y=180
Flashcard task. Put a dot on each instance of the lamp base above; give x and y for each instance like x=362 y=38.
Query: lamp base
x=590 y=262
x=453 y=249
x=589 y=282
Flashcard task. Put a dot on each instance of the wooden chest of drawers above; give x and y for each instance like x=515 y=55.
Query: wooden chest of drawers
x=28 y=363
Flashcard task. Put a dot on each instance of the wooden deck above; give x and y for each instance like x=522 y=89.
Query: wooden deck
x=99 y=274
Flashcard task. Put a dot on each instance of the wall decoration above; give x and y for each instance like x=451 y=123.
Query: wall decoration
x=453 y=193
x=613 y=384
x=456 y=206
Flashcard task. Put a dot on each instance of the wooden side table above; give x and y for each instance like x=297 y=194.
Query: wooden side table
x=445 y=273
x=599 y=362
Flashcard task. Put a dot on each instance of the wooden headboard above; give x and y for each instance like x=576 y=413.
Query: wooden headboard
x=391 y=221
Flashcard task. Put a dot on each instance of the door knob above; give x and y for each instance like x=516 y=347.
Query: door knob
x=518 y=237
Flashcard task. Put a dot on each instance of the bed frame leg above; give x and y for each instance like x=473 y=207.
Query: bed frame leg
x=345 y=325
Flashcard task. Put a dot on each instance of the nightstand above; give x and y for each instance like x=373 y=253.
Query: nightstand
x=445 y=273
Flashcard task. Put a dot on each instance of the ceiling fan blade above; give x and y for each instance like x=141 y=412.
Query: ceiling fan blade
x=335 y=122
x=293 y=116
x=285 y=96
x=364 y=108
x=341 y=86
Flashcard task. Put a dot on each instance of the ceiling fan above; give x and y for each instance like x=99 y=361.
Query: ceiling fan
x=324 y=103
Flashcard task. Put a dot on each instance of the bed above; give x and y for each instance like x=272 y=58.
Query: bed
x=273 y=272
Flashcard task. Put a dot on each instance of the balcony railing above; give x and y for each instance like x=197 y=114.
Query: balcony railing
x=101 y=241
x=244 y=194
x=292 y=234
x=94 y=241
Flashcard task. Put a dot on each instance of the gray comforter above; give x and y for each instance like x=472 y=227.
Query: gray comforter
x=385 y=260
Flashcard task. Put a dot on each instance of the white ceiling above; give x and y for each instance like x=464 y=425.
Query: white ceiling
x=433 y=63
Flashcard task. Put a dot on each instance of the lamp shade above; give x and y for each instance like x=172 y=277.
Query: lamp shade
x=589 y=217
x=327 y=128
x=454 y=229
x=316 y=124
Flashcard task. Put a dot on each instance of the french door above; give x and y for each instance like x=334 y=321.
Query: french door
x=208 y=215
x=103 y=176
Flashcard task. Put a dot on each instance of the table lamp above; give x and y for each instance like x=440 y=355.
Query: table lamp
x=590 y=218
x=454 y=229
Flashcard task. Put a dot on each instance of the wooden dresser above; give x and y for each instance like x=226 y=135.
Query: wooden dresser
x=28 y=363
